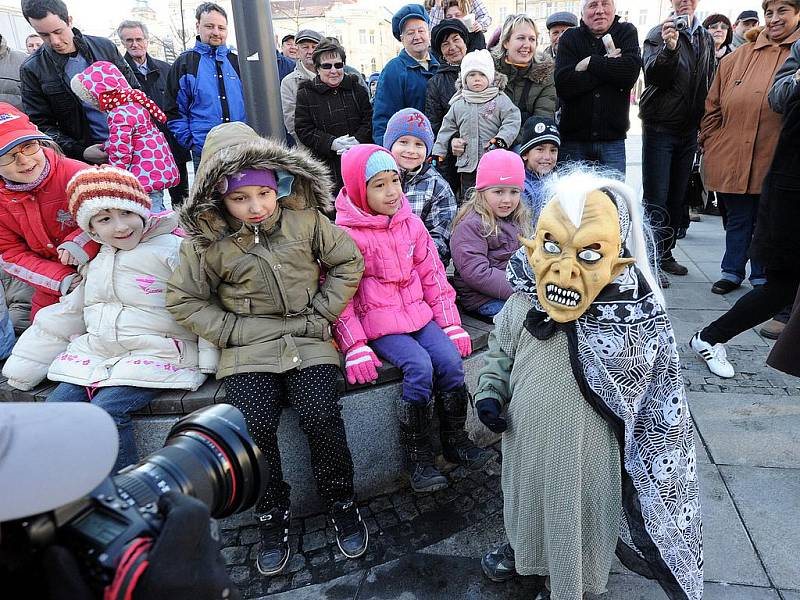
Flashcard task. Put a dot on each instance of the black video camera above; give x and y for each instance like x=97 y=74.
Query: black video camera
x=208 y=454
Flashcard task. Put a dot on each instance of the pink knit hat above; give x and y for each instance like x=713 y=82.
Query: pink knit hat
x=500 y=168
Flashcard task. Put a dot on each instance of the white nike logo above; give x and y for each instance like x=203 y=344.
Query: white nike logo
x=504 y=178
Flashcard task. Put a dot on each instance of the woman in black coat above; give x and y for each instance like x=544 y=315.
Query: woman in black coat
x=333 y=110
x=774 y=245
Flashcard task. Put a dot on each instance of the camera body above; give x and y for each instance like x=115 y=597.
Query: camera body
x=681 y=22
x=208 y=454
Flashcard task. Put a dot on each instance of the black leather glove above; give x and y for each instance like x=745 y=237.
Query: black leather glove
x=64 y=578
x=185 y=563
x=489 y=414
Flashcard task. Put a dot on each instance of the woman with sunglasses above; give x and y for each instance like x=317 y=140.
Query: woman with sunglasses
x=34 y=218
x=333 y=110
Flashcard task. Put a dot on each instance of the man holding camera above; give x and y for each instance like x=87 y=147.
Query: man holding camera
x=678 y=57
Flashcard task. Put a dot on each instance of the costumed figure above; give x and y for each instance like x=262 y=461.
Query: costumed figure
x=602 y=460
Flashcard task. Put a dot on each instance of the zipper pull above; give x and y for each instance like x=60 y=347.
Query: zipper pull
x=255 y=231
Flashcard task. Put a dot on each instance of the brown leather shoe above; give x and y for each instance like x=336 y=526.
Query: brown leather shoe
x=772 y=329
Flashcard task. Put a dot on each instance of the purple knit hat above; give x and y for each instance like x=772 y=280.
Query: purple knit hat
x=231 y=183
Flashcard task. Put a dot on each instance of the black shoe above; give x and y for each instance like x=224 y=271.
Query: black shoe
x=352 y=534
x=273 y=555
x=456 y=445
x=425 y=477
x=467 y=454
x=498 y=565
x=724 y=286
x=673 y=267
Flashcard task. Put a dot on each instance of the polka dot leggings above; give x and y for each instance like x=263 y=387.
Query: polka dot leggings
x=312 y=393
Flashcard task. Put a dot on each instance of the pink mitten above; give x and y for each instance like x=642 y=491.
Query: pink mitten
x=460 y=338
x=360 y=364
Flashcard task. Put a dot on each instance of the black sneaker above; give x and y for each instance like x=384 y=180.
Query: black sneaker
x=673 y=267
x=425 y=477
x=498 y=565
x=273 y=555
x=724 y=286
x=352 y=535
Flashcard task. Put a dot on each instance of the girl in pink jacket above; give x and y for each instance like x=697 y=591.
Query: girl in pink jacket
x=134 y=143
x=405 y=309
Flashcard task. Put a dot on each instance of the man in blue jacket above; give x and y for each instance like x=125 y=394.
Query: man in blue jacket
x=404 y=79
x=204 y=88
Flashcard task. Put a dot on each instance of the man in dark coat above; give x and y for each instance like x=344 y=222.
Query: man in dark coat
x=594 y=82
x=80 y=129
x=152 y=75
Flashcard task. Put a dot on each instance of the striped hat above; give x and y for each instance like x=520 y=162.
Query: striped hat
x=102 y=188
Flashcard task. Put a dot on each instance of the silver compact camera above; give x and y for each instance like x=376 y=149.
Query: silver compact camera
x=681 y=22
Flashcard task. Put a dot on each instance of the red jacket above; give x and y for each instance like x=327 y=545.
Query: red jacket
x=33 y=224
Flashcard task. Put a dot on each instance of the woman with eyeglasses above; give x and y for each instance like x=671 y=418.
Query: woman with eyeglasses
x=719 y=26
x=39 y=240
x=333 y=110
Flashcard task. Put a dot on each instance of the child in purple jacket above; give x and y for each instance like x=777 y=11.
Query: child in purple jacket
x=486 y=231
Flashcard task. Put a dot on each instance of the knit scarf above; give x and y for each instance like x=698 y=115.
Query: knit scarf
x=490 y=93
x=29 y=187
x=114 y=98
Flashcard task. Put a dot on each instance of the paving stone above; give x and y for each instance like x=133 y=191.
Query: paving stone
x=235 y=555
x=240 y=575
x=302 y=578
x=314 y=541
x=735 y=427
x=249 y=535
x=315 y=523
x=297 y=562
x=768 y=502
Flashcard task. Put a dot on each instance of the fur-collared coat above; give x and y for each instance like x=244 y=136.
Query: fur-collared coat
x=532 y=88
x=479 y=124
x=254 y=290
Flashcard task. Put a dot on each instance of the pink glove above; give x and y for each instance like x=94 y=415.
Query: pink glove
x=460 y=338
x=361 y=364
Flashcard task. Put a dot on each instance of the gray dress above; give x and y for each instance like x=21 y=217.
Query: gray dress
x=561 y=461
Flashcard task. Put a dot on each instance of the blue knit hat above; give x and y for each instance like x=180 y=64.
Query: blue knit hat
x=409 y=11
x=379 y=162
x=408 y=121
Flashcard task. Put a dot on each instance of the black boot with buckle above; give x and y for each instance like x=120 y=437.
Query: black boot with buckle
x=415 y=424
x=456 y=445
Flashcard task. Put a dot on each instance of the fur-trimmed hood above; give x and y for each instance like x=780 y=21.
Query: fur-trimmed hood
x=303 y=182
x=500 y=82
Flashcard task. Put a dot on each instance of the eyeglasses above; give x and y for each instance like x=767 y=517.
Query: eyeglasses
x=28 y=149
x=329 y=66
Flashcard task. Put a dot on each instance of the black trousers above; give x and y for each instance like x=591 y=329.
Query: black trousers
x=758 y=305
x=312 y=393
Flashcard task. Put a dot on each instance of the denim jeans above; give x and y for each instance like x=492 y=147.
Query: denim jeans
x=609 y=154
x=157 y=201
x=741 y=210
x=491 y=308
x=196 y=156
x=118 y=401
x=421 y=356
x=666 y=165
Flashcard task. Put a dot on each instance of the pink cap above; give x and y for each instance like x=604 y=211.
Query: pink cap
x=500 y=168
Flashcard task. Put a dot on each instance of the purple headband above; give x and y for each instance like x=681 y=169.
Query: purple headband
x=265 y=177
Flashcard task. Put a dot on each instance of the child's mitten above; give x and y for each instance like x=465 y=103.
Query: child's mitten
x=361 y=364
x=489 y=414
x=460 y=338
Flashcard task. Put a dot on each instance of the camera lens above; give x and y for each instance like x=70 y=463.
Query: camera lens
x=208 y=455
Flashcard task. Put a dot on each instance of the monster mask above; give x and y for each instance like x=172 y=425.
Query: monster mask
x=575 y=253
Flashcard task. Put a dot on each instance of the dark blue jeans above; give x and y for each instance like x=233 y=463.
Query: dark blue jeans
x=741 y=211
x=421 y=356
x=491 y=308
x=119 y=401
x=609 y=154
x=666 y=165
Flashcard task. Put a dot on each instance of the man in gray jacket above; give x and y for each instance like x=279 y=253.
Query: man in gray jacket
x=10 y=62
x=786 y=82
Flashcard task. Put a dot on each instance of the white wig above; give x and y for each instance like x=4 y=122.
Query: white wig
x=570 y=188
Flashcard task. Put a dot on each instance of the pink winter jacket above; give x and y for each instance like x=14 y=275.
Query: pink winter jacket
x=404 y=284
x=134 y=143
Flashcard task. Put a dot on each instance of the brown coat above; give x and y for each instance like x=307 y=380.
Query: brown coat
x=739 y=130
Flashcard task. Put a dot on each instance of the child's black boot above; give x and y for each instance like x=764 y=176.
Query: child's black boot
x=415 y=424
x=352 y=534
x=456 y=445
x=274 y=552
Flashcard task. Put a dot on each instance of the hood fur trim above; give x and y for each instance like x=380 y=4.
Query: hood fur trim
x=500 y=82
x=202 y=216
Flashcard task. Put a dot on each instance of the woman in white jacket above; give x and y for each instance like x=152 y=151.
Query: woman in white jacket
x=112 y=341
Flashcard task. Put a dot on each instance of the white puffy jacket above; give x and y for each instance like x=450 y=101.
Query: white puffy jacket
x=114 y=329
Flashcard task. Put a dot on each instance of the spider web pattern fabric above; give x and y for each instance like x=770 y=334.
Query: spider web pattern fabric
x=629 y=358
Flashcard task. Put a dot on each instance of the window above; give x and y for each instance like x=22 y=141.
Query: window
x=372 y=37
x=643 y=17
x=503 y=14
x=362 y=36
x=373 y=66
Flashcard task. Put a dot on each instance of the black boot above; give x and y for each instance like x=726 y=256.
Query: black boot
x=456 y=445
x=415 y=423
x=273 y=555
x=499 y=564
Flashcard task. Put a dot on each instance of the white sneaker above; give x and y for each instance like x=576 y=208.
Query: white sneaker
x=715 y=356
